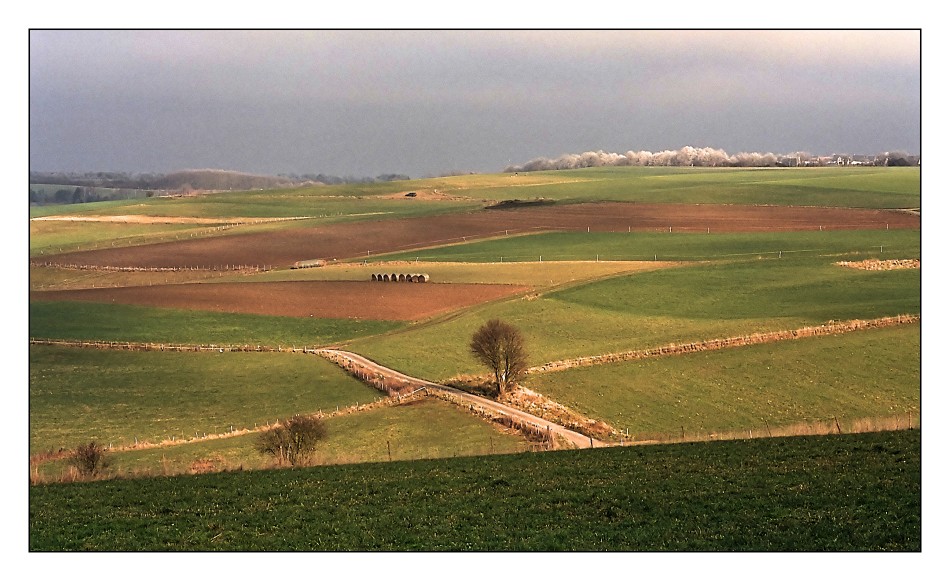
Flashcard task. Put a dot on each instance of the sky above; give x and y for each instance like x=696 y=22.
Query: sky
x=431 y=102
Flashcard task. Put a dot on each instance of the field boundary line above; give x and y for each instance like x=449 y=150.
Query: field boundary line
x=830 y=328
x=149 y=346
x=170 y=441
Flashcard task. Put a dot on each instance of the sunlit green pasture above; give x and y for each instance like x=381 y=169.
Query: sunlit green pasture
x=55 y=237
x=88 y=207
x=87 y=321
x=537 y=274
x=641 y=246
x=656 y=308
x=864 y=374
x=864 y=187
x=429 y=428
x=116 y=397
x=327 y=203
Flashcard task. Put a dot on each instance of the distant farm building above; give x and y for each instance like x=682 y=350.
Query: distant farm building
x=400 y=277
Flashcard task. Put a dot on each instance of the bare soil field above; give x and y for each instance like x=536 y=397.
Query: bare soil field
x=320 y=299
x=352 y=240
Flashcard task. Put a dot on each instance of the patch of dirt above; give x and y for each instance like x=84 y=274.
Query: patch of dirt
x=352 y=240
x=882 y=264
x=319 y=299
x=536 y=404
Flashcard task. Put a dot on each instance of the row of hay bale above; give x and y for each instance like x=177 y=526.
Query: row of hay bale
x=400 y=277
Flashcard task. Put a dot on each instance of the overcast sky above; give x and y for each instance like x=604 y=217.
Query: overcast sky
x=363 y=103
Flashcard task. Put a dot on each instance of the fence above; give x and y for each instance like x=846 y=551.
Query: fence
x=134 y=346
x=712 y=344
x=201 y=268
x=833 y=425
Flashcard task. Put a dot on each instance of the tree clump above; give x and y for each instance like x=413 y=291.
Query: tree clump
x=89 y=459
x=501 y=347
x=293 y=440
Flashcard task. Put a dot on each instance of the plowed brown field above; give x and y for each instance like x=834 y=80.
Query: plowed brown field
x=322 y=299
x=283 y=248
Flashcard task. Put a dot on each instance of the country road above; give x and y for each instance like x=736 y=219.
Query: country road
x=577 y=439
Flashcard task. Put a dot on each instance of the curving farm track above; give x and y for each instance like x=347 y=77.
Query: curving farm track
x=575 y=438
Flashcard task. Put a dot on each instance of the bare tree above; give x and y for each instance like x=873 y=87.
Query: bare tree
x=90 y=459
x=501 y=347
x=293 y=440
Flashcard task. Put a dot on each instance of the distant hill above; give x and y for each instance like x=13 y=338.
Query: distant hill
x=195 y=179
x=215 y=179
x=201 y=179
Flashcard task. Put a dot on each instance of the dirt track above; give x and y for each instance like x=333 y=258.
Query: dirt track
x=345 y=359
x=353 y=240
x=319 y=299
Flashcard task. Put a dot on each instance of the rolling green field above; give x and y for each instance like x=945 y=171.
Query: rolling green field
x=329 y=203
x=594 y=293
x=118 y=397
x=650 y=309
x=609 y=246
x=429 y=428
x=113 y=322
x=54 y=237
x=866 y=374
x=538 y=274
x=832 y=493
x=840 y=187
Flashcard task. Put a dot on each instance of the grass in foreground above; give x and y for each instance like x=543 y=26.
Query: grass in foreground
x=874 y=373
x=831 y=493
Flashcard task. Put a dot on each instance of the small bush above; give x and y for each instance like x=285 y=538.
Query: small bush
x=294 y=440
x=89 y=459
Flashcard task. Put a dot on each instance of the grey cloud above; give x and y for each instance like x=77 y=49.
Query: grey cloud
x=423 y=102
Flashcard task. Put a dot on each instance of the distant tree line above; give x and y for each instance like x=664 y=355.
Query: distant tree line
x=708 y=157
x=102 y=186
x=41 y=194
x=337 y=180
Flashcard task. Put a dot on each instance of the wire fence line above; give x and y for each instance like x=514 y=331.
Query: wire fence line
x=830 y=328
x=637 y=257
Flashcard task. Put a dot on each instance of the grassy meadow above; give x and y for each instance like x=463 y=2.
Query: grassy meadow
x=120 y=397
x=537 y=274
x=428 y=476
x=846 y=377
x=641 y=246
x=419 y=429
x=83 y=321
x=655 y=308
x=830 y=493
x=856 y=187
